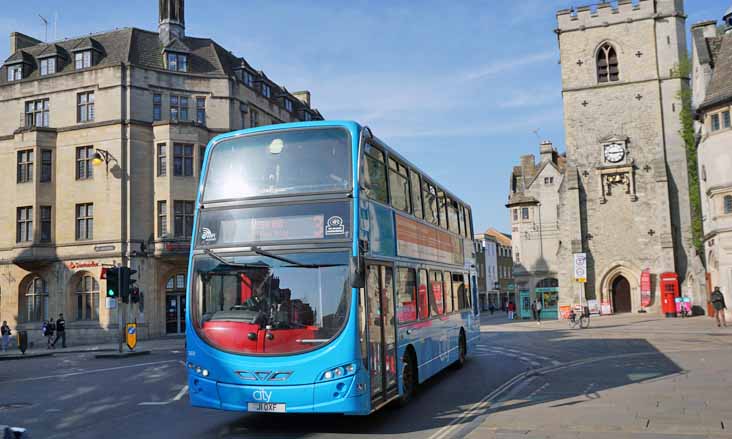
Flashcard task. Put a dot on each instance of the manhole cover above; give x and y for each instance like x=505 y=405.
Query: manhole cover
x=15 y=405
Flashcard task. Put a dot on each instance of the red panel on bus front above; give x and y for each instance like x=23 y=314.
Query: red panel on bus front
x=288 y=340
x=232 y=336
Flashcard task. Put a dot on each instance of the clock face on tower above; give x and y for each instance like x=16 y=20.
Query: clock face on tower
x=614 y=152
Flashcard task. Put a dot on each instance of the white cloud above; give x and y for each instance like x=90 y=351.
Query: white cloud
x=506 y=65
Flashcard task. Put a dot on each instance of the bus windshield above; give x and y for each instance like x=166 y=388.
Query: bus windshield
x=277 y=163
x=269 y=303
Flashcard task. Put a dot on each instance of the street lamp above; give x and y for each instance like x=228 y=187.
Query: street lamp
x=102 y=156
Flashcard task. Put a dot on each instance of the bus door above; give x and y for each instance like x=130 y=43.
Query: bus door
x=381 y=333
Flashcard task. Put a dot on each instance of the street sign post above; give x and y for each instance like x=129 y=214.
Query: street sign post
x=580 y=273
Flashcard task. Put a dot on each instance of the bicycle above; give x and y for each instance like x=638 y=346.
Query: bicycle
x=582 y=321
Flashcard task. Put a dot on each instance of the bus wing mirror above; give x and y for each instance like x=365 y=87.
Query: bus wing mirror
x=356 y=272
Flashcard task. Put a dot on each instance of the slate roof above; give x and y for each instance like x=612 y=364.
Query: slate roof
x=143 y=48
x=719 y=90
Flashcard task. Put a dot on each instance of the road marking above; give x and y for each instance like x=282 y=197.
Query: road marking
x=107 y=369
x=177 y=397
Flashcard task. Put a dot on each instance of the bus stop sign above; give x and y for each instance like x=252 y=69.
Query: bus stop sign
x=131 y=335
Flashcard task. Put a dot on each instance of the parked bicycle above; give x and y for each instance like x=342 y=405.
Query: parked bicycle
x=579 y=321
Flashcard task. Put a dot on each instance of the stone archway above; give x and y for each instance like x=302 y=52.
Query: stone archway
x=613 y=277
x=620 y=295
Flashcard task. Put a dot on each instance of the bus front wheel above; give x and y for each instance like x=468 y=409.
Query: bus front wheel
x=409 y=377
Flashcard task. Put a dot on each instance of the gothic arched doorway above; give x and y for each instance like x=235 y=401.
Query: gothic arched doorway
x=621 y=295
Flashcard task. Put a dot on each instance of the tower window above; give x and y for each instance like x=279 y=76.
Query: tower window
x=728 y=204
x=607 y=64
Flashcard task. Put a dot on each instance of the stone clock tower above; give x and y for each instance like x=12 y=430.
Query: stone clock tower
x=625 y=197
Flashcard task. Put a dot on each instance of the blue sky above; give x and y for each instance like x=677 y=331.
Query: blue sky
x=458 y=87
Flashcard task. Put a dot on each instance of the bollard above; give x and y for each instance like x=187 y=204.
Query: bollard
x=23 y=341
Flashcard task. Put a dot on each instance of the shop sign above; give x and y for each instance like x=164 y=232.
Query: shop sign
x=104 y=248
x=645 y=286
x=74 y=265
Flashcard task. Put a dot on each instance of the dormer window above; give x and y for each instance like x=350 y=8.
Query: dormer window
x=266 y=90
x=83 y=59
x=307 y=116
x=248 y=78
x=15 y=73
x=607 y=64
x=177 y=62
x=288 y=105
x=48 y=66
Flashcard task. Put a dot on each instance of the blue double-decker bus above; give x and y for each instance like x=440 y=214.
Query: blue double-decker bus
x=327 y=273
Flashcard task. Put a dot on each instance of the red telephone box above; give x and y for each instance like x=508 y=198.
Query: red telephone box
x=669 y=292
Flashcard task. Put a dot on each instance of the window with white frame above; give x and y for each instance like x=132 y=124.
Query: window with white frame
x=15 y=73
x=177 y=62
x=82 y=60
x=48 y=66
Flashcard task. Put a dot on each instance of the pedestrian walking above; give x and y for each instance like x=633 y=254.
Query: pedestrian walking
x=511 y=310
x=60 y=331
x=717 y=300
x=50 y=329
x=491 y=308
x=533 y=310
x=5 y=332
x=538 y=312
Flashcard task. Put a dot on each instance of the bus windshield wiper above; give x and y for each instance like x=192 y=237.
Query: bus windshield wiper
x=261 y=252
x=216 y=256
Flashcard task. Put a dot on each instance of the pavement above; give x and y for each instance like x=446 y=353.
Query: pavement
x=635 y=376
x=163 y=343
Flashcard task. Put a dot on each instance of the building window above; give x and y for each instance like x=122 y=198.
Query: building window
x=183 y=211
x=253 y=118
x=515 y=214
x=182 y=160
x=162 y=219
x=162 y=160
x=35 y=301
x=45 y=223
x=288 y=105
x=15 y=73
x=84 y=156
x=24 y=228
x=85 y=107
x=307 y=116
x=25 y=166
x=524 y=213
x=728 y=204
x=46 y=165
x=36 y=113
x=174 y=108
x=725 y=119
x=84 y=221
x=157 y=107
x=177 y=62
x=715 y=122
x=248 y=78
x=201 y=155
x=607 y=64
x=266 y=90
x=87 y=298
x=82 y=60
x=399 y=186
x=201 y=110
x=48 y=66
x=548 y=180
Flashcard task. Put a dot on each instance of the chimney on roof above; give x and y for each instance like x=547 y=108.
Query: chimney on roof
x=21 y=41
x=547 y=152
x=172 y=20
x=303 y=96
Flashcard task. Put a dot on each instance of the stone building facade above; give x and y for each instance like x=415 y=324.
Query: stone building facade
x=144 y=104
x=506 y=291
x=533 y=205
x=625 y=196
x=712 y=101
x=487 y=265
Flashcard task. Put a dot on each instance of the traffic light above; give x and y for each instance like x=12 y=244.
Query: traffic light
x=113 y=282
x=126 y=283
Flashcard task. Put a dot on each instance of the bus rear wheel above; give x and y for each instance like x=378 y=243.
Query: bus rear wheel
x=409 y=378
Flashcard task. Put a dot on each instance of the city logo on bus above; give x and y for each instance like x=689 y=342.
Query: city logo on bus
x=262 y=395
x=207 y=235
x=335 y=226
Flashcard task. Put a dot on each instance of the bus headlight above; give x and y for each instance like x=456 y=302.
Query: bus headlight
x=339 y=372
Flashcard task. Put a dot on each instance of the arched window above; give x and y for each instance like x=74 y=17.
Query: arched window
x=34 y=301
x=87 y=298
x=728 y=204
x=607 y=64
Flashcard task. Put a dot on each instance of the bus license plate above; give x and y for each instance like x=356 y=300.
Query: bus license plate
x=265 y=407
